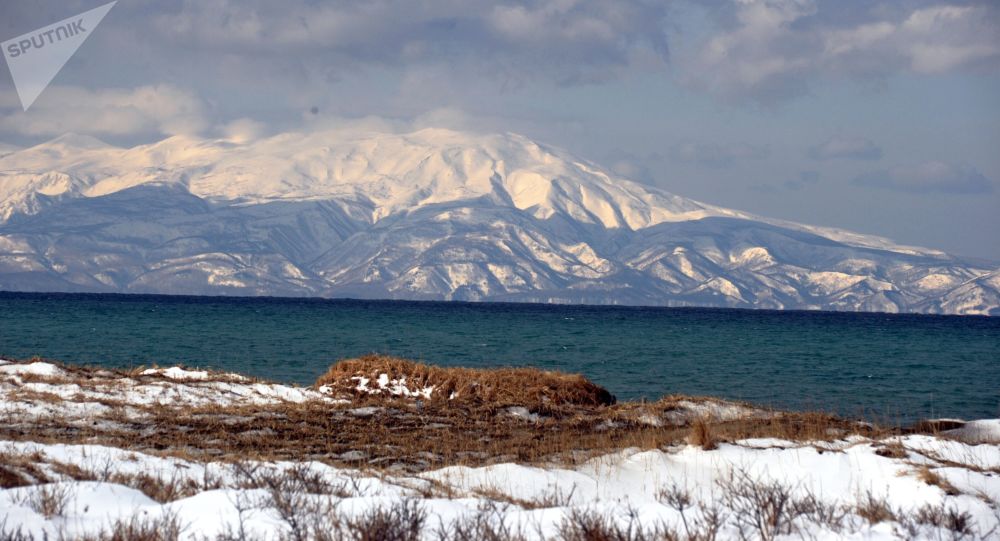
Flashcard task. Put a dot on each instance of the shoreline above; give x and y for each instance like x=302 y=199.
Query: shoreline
x=519 y=304
x=196 y=454
x=63 y=403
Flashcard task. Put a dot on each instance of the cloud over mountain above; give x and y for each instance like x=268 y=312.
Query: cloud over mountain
x=150 y=110
x=929 y=177
x=853 y=148
x=770 y=50
x=716 y=154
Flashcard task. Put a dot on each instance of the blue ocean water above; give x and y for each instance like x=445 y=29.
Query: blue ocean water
x=894 y=368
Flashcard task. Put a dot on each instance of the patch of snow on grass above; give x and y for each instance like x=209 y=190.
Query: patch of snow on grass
x=535 y=499
x=60 y=394
x=395 y=387
x=720 y=411
x=522 y=412
x=35 y=369
x=176 y=372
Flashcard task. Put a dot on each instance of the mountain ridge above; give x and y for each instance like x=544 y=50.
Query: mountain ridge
x=433 y=214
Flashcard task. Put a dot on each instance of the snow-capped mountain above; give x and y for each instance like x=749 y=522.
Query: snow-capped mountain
x=434 y=214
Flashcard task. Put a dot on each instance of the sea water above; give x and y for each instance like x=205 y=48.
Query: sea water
x=893 y=368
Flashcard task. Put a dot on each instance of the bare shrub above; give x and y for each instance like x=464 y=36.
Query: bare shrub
x=239 y=532
x=141 y=527
x=293 y=505
x=761 y=507
x=49 y=500
x=300 y=496
x=401 y=521
x=701 y=523
x=583 y=525
x=958 y=524
x=488 y=524
x=874 y=510
x=553 y=497
x=816 y=511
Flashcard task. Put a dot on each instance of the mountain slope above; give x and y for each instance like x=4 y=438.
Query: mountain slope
x=433 y=214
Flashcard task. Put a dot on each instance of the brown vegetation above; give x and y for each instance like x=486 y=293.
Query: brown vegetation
x=701 y=435
x=474 y=417
x=501 y=387
x=929 y=476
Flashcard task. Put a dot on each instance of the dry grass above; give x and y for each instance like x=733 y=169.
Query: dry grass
x=10 y=478
x=19 y=469
x=701 y=435
x=576 y=420
x=546 y=500
x=309 y=507
x=892 y=449
x=49 y=499
x=502 y=387
x=165 y=527
x=874 y=510
x=929 y=476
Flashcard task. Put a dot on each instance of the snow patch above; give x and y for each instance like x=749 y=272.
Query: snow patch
x=395 y=387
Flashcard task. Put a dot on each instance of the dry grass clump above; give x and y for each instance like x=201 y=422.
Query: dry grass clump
x=701 y=435
x=873 y=509
x=49 y=499
x=931 y=477
x=892 y=449
x=501 y=387
x=19 y=469
x=10 y=478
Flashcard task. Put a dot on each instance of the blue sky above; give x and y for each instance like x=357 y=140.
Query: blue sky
x=881 y=117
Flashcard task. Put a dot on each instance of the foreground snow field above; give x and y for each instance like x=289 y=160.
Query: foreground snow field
x=69 y=483
x=845 y=486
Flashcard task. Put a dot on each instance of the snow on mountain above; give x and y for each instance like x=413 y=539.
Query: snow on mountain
x=433 y=214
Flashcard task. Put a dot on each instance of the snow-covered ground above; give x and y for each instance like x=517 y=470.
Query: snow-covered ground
x=833 y=491
x=848 y=487
x=44 y=389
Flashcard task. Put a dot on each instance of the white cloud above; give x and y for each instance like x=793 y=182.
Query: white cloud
x=854 y=148
x=565 y=41
x=243 y=130
x=776 y=49
x=928 y=177
x=716 y=155
x=145 y=110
